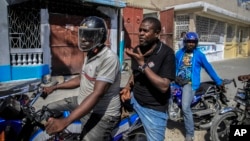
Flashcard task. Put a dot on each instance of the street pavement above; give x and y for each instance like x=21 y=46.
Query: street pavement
x=229 y=69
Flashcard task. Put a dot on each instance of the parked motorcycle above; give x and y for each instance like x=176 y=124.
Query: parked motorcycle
x=238 y=115
x=20 y=121
x=208 y=100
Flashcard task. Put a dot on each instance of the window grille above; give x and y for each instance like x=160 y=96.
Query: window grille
x=24 y=33
x=230 y=32
x=209 y=30
x=182 y=24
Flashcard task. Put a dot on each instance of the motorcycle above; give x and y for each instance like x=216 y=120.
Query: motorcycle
x=13 y=98
x=208 y=100
x=237 y=115
x=20 y=121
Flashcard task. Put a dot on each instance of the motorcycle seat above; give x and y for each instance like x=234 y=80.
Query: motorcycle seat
x=206 y=87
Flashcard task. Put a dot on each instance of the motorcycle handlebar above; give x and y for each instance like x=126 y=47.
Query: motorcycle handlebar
x=229 y=81
x=41 y=116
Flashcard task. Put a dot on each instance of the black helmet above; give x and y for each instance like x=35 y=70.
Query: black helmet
x=191 y=37
x=93 y=29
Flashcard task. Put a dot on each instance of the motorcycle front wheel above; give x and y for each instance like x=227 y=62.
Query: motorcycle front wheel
x=220 y=127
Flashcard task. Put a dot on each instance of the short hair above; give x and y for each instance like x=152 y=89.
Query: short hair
x=156 y=23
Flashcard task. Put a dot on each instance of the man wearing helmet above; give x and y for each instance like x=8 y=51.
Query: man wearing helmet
x=153 y=65
x=189 y=61
x=98 y=102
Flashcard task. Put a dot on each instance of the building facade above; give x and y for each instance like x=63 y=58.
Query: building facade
x=223 y=25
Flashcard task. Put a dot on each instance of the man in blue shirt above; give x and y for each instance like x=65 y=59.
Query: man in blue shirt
x=189 y=61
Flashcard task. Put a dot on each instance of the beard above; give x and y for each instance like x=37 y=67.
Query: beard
x=188 y=50
x=146 y=46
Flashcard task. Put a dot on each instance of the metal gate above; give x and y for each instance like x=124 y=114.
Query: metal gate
x=24 y=36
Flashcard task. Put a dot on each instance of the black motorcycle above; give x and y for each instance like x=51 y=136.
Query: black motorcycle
x=238 y=115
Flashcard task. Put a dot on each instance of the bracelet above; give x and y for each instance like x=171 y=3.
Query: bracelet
x=143 y=67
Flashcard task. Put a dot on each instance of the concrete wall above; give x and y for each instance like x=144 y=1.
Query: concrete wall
x=4 y=40
x=4 y=32
x=45 y=37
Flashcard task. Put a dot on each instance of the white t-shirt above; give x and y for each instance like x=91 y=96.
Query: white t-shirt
x=104 y=67
x=180 y=43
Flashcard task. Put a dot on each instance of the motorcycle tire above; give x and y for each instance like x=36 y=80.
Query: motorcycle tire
x=73 y=135
x=220 y=127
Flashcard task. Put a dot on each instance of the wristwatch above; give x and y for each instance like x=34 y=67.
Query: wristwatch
x=142 y=68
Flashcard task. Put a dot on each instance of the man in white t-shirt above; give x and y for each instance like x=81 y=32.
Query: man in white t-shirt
x=180 y=42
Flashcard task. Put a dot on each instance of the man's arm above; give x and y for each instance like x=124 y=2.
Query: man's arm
x=56 y=125
x=130 y=82
x=72 y=83
x=90 y=101
x=159 y=82
x=211 y=72
x=125 y=92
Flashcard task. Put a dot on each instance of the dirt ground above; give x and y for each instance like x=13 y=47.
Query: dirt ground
x=176 y=132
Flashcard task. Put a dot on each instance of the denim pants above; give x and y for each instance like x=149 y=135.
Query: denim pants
x=96 y=127
x=187 y=97
x=154 y=122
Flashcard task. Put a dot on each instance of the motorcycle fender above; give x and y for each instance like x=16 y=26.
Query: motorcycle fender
x=227 y=109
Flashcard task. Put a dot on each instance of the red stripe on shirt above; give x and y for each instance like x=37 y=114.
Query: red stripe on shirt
x=88 y=77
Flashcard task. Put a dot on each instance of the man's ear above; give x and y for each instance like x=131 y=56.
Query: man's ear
x=157 y=33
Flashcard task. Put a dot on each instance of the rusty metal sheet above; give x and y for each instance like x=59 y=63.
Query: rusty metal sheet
x=132 y=18
x=66 y=58
x=167 y=21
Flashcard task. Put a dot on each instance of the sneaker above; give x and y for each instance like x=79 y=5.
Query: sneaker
x=188 y=138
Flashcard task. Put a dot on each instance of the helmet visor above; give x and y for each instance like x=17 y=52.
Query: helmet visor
x=191 y=41
x=88 y=38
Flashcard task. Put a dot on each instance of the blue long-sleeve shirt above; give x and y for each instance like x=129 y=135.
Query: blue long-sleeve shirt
x=199 y=61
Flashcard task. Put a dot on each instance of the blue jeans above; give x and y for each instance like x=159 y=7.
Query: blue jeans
x=187 y=97
x=96 y=127
x=154 y=122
